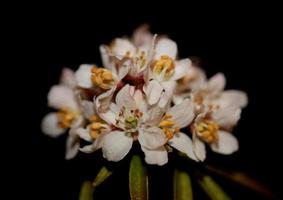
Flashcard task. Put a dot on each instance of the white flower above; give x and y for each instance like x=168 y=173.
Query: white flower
x=129 y=115
x=101 y=80
x=189 y=83
x=177 y=117
x=54 y=124
x=211 y=94
x=137 y=52
x=212 y=128
x=161 y=79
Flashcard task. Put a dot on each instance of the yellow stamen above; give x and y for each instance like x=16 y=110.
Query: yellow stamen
x=164 y=65
x=166 y=123
x=66 y=117
x=102 y=78
x=96 y=128
x=207 y=131
x=168 y=126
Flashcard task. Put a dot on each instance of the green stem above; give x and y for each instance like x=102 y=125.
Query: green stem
x=212 y=189
x=182 y=186
x=138 y=180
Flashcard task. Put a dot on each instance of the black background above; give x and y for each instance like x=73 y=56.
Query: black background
x=239 y=41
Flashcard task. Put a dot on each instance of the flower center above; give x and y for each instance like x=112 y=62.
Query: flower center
x=129 y=120
x=66 y=117
x=164 y=67
x=97 y=126
x=141 y=60
x=207 y=131
x=102 y=77
x=168 y=126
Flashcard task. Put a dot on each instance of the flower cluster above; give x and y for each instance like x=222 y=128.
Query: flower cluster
x=145 y=94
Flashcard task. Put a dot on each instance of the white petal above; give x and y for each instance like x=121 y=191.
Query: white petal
x=103 y=101
x=61 y=96
x=68 y=78
x=97 y=144
x=155 y=157
x=83 y=76
x=83 y=133
x=140 y=100
x=72 y=146
x=167 y=47
x=227 y=143
x=87 y=149
x=167 y=94
x=181 y=69
x=153 y=91
x=199 y=148
x=105 y=57
x=78 y=122
x=110 y=115
x=233 y=98
x=116 y=146
x=153 y=116
x=124 y=98
x=177 y=99
x=152 y=138
x=49 y=125
x=183 y=143
x=182 y=113
x=87 y=108
x=122 y=46
x=217 y=83
x=227 y=117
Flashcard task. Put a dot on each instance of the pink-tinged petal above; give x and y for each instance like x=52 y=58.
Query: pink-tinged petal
x=233 y=98
x=123 y=71
x=183 y=143
x=167 y=47
x=167 y=94
x=142 y=36
x=72 y=146
x=155 y=157
x=153 y=91
x=125 y=99
x=116 y=145
x=121 y=47
x=152 y=138
x=103 y=101
x=199 y=148
x=181 y=69
x=226 y=144
x=140 y=100
x=83 y=76
x=49 y=126
x=110 y=115
x=217 y=83
x=60 y=97
x=227 y=117
x=182 y=113
x=68 y=78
